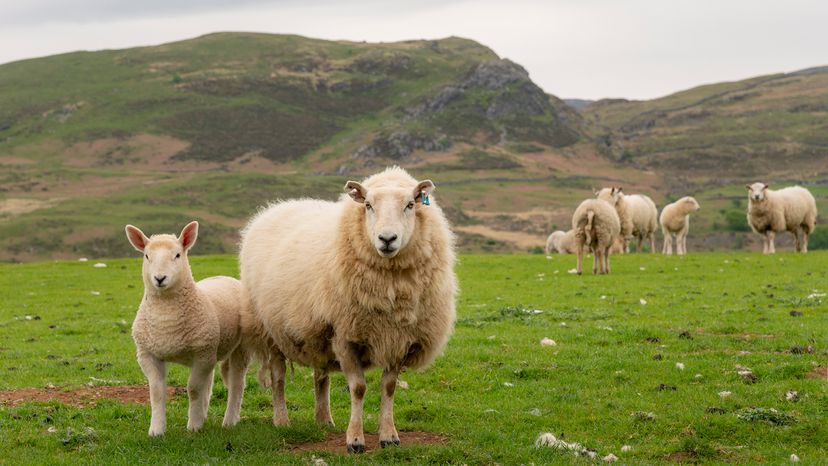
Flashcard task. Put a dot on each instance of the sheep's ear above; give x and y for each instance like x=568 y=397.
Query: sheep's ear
x=425 y=186
x=765 y=187
x=618 y=189
x=136 y=237
x=357 y=192
x=747 y=186
x=188 y=235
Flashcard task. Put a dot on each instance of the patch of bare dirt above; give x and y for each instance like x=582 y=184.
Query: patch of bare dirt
x=681 y=457
x=83 y=397
x=14 y=206
x=335 y=443
x=818 y=373
x=141 y=150
x=10 y=160
x=518 y=238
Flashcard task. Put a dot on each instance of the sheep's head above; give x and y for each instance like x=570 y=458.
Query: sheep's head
x=611 y=195
x=690 y=204
x=389 y=214
x=165 y=256
x=756 y=191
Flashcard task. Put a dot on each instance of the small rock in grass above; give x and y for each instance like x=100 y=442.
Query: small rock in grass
x=658 y=357
x=748 y=376
x=610 y=458
x=490 y=337
x=642 y=301
x=725 y=394
x=402 y=384
x=535 y=412
x=572 y=271
x=508 y=384
x=52 y=429
x=686 y=335
x=680 y=366
x=82 y=259
x=549 y=257
x=652 y=340
x=794 y=458
x=50 y=386
x=96 y=293
x=563 y=324
x=626 y=448
x=792 y=395
x=643 y=415
x=99 y=265
x=715 y=410
x=548 y=342
x=315 y=461
x=664 y=387
x=698 y=376
x=795 y=314
x=642 y=268
x=490 y=410
x=802 y=349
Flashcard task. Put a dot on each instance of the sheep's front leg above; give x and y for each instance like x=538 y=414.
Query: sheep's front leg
x=322 y=392
x=233 y=370
x=278 y=370
x=798 y=239
x=199 y=389
x=351 y=366
x=668 y=244
x=156 y=372
x=387 y=431
x=771 y=240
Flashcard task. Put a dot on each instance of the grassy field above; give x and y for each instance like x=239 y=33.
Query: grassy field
x=613 y=378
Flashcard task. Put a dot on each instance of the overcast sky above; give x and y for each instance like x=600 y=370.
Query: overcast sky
x=572 y=48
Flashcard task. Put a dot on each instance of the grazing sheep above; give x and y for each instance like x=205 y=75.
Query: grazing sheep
x=194 y=324
x=790 y=209
x=675 y=220
x=596 y=225
x=637 y=213
x=553 y=240
x=365 y=281
x=562 y=242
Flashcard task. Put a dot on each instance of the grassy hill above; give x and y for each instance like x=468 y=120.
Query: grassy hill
x=213 y=127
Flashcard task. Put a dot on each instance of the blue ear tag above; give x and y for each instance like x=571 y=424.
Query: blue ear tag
x=424 y=198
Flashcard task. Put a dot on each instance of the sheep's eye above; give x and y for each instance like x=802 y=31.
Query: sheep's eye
x=368 y=206
x=178 y=255
x=410 y=205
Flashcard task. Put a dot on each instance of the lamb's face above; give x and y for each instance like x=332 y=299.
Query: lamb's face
x=611 y=195
x=390 y=218
x=690 y=204
x=756 y=191
x=165 y=257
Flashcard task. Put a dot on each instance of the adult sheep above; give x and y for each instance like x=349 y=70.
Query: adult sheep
x=675 y=220
x=596 y=226
x=790 y=209
x=637 y=213
x=365 y=281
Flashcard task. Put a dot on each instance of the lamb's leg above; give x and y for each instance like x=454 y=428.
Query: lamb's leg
x=349 y=362
x=233 y=370
x=595 y=259
x=387 y=431
x=199 y=389
x=322 y=392
x=156 y=372
x=278 y=370
x=771 y=239
x=580 y=260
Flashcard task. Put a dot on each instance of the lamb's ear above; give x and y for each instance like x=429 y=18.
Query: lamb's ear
x=188 y=235
x=425 y=186
x=136 y=237
x=357 y=192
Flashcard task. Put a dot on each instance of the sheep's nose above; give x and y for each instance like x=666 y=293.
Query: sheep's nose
x=388 y=238
x=160 y=279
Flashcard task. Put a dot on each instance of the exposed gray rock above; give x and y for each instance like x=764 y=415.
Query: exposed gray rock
x=494 y=74
x=436 y=103
x=400 y=144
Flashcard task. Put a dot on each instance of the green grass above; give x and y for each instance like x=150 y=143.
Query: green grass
x=710 y=312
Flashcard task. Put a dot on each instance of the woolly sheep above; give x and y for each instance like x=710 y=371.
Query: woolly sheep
x=637 y=213
x=365 y=281
x=675 y=220
x=596 y=225
x=790 y=209
x=194 y=324
x=553 y=241
x=564 y=243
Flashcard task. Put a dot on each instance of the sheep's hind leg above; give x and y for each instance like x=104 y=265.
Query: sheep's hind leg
x=278 y=369
x=156 y=372
x=580 y=266
x=349 y=362
x=798 y=239
x=387 y=431
x=322 y=392
x=804 y=241
x=233 y=370
x=605 y=263
x=199 y=389
x=595 y=260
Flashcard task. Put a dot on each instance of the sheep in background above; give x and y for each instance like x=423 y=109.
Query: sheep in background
x=790 y=209
x=194 y=324
x=365 y=281
x=553 y=241
x=596 y=225
x=675 y=220
x=637 y=213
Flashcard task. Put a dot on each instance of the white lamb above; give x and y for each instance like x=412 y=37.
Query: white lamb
x=365 y=281
x=566 y=243
x=553 y=241
x=675 y=220
x=790 y=209
x=194 y=324
x=638 y=215
x=596 y=226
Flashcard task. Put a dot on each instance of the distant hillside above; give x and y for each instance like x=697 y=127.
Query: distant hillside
x=769 y=127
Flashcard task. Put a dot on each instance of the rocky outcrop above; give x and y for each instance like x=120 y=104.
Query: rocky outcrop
x=401 y=144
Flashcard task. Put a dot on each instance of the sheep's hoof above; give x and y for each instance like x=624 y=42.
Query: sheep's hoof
x=356 y=448
x=386 y=443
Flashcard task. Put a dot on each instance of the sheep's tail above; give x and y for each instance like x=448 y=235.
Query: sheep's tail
x=589 y=225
